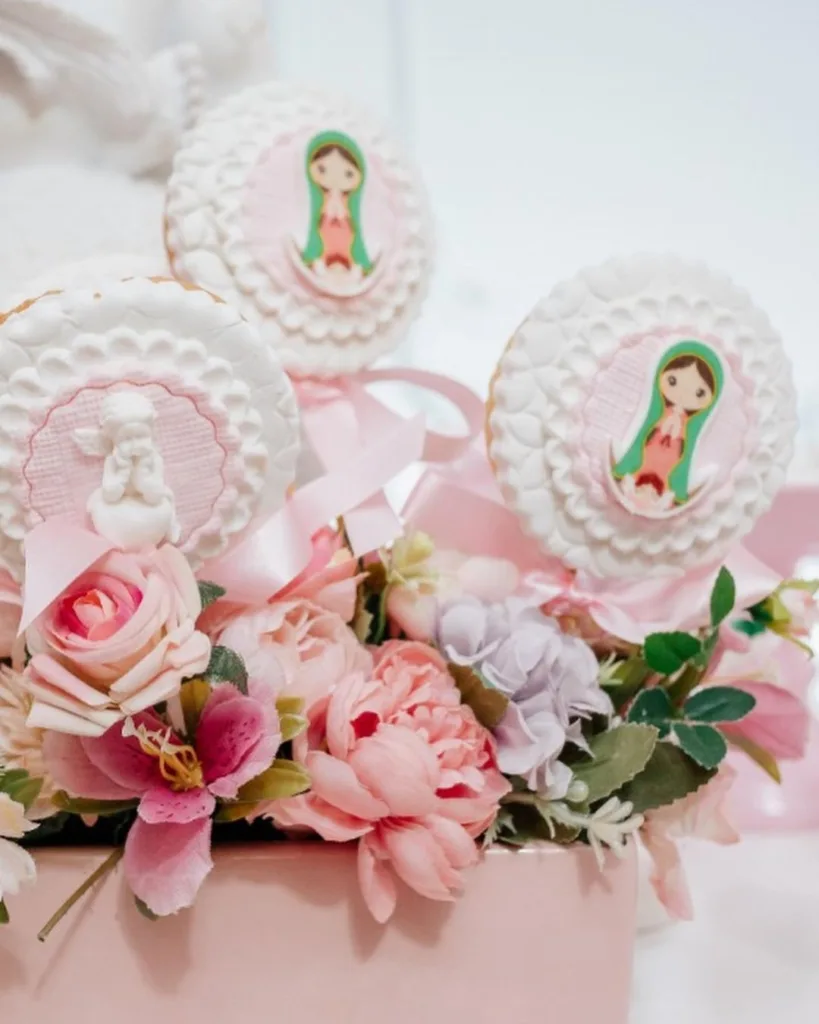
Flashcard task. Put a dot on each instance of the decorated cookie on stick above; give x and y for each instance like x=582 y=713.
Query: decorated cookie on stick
x=301 y=212
x=116 y=417
x=304 y=214
x=642 y=418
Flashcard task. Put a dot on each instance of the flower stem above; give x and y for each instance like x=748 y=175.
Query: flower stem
x=107 y=865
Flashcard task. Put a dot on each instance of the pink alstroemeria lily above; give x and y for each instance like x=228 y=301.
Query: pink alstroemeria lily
x=167 y=852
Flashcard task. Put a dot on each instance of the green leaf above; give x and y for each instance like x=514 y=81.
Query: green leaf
x=652 y=707
x=11 y=776
x=703 y=743
x=709 y=645
x=286 y=705
x=627 y=679
x=723 y=597
x=226 y=666
x=524 y=824
x=4 y=913
x=102 y=808
x=750 y=627
x=759 y=755
x=669 y=775
x=282 y=779
x=291 y=720
x=291 y=726
x=145 y=910
x=193 y=696
x=20 y=786
x=619 y=755
x=210 y=592
x=487 y=702
x=718 y=704
x=666 y=653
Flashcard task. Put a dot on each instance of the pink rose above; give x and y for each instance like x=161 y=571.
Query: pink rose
x=699 y=815
x=398 y=763
x=11 y=604
x=120 y=639
x=296 y=646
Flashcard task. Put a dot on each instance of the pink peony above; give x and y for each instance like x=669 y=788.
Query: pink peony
x=167 y=852
x=121 y=638
x=398 y=763
x=296 y=646
x=699 y=815
x=11 y=604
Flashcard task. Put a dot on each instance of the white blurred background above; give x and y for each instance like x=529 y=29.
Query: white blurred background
x=552 y=134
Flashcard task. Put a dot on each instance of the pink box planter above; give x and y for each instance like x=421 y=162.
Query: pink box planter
x=282 y=929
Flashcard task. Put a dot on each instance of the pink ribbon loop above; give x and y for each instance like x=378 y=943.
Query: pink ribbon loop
x=341 y=415
x=280 y=549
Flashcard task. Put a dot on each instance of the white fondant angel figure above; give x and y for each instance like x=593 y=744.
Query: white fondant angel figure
x=133 y=507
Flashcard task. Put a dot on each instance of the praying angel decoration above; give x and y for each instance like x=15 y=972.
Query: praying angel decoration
x=133 y=507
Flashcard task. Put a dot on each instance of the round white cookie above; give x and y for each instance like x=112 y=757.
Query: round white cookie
x=642 y=417
x=303 y=214
x=139 y=406
x=91 y=273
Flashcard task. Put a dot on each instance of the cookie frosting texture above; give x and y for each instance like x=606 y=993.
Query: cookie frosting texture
x=332 y=270
x=227 y=424
x=605 y=469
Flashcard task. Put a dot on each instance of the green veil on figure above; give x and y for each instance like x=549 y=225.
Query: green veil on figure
x=314 y=249
x=633 y=459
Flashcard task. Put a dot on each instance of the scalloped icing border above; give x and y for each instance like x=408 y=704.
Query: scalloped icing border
x=250 y=390
x=580 y=324
x=205 y=240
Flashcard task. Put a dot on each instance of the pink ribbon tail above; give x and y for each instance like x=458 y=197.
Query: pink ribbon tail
x=57 y=552
x=280 y=549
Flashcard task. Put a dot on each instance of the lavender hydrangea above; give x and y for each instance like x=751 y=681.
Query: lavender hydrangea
x=550 y=678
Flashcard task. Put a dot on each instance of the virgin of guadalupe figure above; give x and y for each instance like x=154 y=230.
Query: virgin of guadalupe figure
x=654 y=473
x=336 y=173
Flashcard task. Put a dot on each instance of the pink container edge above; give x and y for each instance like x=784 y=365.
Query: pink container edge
x=538 y=934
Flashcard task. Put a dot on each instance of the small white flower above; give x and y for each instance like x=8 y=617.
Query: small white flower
x=16 y=864
x=610 y=826
x=21 y=747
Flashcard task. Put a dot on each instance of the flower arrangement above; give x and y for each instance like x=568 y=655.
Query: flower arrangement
x=415 y=702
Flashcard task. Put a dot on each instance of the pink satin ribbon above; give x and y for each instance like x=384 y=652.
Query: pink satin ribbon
x=340 y=416
x=57 y=552
x=461 y=507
